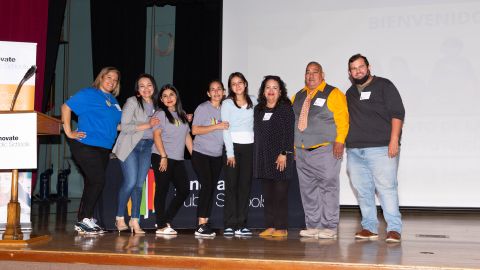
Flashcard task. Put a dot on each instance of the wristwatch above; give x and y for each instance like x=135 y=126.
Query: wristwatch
x=284 y=153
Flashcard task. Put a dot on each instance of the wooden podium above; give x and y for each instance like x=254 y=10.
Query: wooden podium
x=13 y=235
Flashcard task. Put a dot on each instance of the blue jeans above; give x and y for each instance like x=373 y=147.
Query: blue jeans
x=135 y=170
x=370 y=170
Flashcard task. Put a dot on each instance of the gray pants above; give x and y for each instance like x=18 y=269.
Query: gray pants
x=318 y=176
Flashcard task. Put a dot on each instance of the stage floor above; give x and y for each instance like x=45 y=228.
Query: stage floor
x=430 y=240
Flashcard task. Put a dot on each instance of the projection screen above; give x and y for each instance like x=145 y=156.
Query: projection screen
x=428 y=49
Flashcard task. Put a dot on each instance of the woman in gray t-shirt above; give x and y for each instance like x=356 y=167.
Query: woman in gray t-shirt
x=170 y=138
x=207 y=152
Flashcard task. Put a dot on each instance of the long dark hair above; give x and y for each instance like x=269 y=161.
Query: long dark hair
x=155 y=91
x=233 y=96
x=283 y=99
x=178 y=106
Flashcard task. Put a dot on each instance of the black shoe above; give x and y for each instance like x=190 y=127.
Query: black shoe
x=204 y=230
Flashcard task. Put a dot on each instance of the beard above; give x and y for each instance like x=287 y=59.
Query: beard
x=362 y=80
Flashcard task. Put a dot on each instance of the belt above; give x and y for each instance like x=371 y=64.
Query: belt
x=313 y=148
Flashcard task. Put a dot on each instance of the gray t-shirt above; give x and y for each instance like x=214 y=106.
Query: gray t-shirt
x=148 y=107
x=173 y=135
x=210 y=144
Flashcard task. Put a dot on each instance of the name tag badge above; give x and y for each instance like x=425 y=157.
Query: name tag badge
x=319 y=102
x=118 y=107
x=267 y=116
x=365 y=95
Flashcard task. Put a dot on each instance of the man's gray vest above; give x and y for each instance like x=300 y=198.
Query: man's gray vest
x=321 y=126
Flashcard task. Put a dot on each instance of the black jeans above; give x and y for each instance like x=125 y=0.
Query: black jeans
x=175 y=173
x=208 y=170
x=93 y=163
x=276 y=203
x=238 y=183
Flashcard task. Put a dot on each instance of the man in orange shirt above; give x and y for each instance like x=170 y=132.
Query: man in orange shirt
x=321 y=126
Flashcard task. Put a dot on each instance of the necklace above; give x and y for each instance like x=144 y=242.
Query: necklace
x=107 y=98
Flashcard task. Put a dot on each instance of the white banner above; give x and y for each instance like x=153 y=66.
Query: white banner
x=18 y=150
x=18 y=141
x=18 y=132
x=15 y=59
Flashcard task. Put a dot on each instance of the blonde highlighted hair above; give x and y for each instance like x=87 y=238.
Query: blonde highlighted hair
x=103 y=72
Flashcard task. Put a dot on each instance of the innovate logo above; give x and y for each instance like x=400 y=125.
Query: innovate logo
x=7 y=59
x=9 y=138
x=12 y=142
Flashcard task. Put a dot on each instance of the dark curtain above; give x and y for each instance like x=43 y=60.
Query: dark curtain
x=56 y=13
x=118 y=39
x=26 y=21
x=197 y=60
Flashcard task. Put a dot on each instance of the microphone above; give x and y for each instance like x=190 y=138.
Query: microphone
x=30 y=72
x=25 y=78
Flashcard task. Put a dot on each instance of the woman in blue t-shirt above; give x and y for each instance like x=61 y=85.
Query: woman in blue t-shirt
x=134 y=148
x=98 y=117
x=170 y=138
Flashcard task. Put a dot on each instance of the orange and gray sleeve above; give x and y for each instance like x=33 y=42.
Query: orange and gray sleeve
x=337 y=103
x=292 y=99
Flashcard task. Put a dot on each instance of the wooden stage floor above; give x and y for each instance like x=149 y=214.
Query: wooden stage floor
x=431 y=240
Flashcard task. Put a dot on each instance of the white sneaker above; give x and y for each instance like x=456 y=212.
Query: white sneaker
x=165 y=236
x=89 y=222
x=309 y=232
x=94 y=225
x=327 y=234
x=83 y=228
x=243 y=232
x=166 y=231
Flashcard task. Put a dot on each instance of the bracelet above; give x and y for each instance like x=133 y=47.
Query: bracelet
x=164 y=157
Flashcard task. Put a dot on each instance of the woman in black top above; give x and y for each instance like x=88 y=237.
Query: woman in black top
x=273 y=152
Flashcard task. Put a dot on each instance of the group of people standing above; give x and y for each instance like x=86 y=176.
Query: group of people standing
x=249 y=137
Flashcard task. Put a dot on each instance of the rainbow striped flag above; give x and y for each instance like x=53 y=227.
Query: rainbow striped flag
x=148 y=193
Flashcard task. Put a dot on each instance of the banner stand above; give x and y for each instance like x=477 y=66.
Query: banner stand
x=43 y=125
x=13 y=233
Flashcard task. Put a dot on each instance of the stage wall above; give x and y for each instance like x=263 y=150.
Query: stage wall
x=427 y=48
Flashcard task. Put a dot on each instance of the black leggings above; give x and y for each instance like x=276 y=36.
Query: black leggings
x=208 y=170
x=93 y=163
x=175 y=173
x=238 y=183
x=276 y=203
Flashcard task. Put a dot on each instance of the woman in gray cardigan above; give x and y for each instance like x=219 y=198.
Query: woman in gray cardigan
x=133 y=149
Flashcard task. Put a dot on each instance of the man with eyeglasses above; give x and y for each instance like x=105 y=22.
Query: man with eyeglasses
x=321 y=126
x=373 y=147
